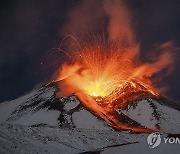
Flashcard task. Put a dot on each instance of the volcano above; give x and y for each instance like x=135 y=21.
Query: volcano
x=41 y=121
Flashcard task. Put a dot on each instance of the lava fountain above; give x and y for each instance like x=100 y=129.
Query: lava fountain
x=106 y=72
x=100 y=74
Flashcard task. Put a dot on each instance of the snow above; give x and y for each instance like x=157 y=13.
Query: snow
x=72 y=103
x=29 y=117
x=142 y=147
x=25 y=139
x=8 y=107
x=142 y=114
x=84 y=119
x=47 y=93
x=20 y=131
x=43 y=139
x=169 y=117
x=42 y=116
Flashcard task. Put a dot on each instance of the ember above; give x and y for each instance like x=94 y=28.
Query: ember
x=107 y=73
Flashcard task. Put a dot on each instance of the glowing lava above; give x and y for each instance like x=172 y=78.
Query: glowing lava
x=105 y=70
x=97 y=71
x=105 y=77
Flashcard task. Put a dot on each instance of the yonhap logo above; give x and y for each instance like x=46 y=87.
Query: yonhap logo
x=154 y=140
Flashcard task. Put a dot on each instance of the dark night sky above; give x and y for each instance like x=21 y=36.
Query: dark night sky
x=29 y=28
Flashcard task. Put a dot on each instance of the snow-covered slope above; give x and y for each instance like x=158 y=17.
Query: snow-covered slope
x=44 y=123
x=155 y=114
x=44 y=107
x=35 y=139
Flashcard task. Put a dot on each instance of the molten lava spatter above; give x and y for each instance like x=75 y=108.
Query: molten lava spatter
x=97 y=71
x=105 y=69
x=105 y=78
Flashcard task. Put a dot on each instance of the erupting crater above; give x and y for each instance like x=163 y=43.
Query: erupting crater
x=106 y=77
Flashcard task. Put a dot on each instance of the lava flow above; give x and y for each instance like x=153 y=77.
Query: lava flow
x=100 y=75
x=106 y=72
